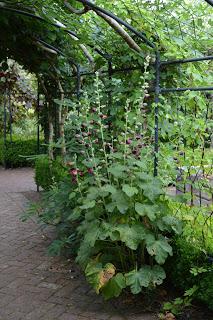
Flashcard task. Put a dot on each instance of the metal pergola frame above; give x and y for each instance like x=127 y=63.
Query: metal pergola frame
x=158 y=90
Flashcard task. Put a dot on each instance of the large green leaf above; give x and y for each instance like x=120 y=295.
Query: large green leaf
x=98 y=275
x=129 y=190
x=93 y=193
x=159 y=248
x=117 y=170
x=146 y=210
x=114 y=286
x=135 y=280
x=121 y=201
x=145 y=277
x=170 y=223
x=92 y=233
x=109 y=188
x=88 y=204
x=130 y=235
x=92 y=272
x=152 y=275
x=152 y=189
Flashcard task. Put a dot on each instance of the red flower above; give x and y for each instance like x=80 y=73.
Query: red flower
x=90 y=170
x=81 y=174
x=103 y=116
x=128 y=141
x=73 y=172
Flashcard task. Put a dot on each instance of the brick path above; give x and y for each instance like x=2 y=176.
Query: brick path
x=34 y=286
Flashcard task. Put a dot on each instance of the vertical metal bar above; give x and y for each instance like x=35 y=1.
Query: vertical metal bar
x=200 y=198
x=157 y=99
x=55 y=121
x=10 y=114
x=5 y=125
x=78 y=84
x=192 y=194
x=110 y=71
x=38 y=126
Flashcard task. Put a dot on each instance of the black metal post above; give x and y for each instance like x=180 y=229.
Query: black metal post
x=157 y=94
x=10 y=114
x=78 y=83
x=110 y=71
x=5 y=124
x=38 y=126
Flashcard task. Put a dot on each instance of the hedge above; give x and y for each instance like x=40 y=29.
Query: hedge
x=15 y=153
x=48 y=172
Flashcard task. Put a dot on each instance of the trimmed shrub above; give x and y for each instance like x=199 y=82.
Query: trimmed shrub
x=15 y=153
x=187 y=258
x=47 y=172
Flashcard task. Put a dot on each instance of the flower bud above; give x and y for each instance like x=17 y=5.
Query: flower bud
x=128 y=141
x=90 y=170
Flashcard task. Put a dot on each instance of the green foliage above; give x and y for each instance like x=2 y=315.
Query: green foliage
x=126 y=219
x=15 y=154
x=177 y=306
x=48 y=172
x=192 y=262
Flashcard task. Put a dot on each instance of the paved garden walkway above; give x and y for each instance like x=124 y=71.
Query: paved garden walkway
x=34 y=286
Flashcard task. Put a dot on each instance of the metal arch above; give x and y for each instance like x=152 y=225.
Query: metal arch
x=72 y=33
x=141 y=35
x=49 y=46
x=209 y=2
x=71 y=61
x=31 y=15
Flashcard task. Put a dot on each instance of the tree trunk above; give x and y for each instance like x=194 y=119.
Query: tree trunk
x=61 y=119
x=51 y=137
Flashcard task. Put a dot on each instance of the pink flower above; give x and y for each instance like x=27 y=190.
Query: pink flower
x=128 y=141
x=73 y=172
x=90 y=170
x=103 y=116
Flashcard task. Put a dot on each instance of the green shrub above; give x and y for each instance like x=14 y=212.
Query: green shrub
x=54 y=209
x=47 y=172
x=192 y=263
x=15 y=153
x=125 y=220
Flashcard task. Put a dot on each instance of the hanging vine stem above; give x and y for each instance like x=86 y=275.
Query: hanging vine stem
x=112 y=22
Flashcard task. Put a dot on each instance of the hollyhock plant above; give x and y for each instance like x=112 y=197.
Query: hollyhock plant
x=126 y=218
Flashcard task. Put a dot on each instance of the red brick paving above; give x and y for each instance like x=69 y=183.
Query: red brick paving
x=34 y=286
